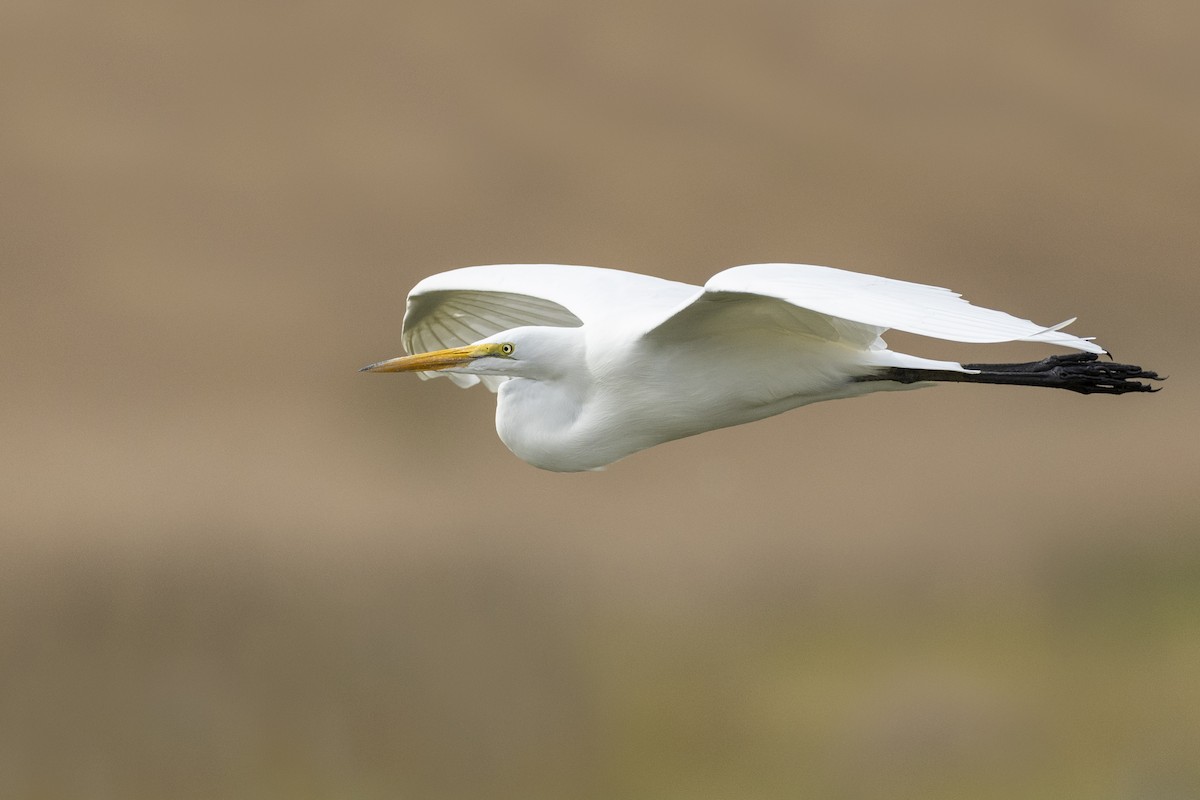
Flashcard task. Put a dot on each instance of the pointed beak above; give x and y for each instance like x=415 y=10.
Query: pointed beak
x=428 y=362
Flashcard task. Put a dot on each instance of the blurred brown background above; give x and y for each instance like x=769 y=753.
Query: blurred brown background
x=233 y=567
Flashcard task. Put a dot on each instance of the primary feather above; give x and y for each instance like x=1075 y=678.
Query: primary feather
x=888 y=303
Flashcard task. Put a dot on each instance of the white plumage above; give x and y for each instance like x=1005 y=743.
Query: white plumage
x=594 y=364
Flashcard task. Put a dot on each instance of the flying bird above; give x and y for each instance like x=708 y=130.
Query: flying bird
x=591 y=365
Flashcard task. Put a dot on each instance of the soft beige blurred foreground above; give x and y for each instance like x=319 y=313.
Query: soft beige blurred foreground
x=233 y=567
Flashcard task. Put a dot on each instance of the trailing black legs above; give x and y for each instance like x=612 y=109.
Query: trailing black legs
x=1078 y=372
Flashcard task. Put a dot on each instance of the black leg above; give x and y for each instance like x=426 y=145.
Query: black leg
x=1078 y=372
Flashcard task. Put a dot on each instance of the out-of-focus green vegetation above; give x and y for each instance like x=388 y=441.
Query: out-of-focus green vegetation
x=219 y=672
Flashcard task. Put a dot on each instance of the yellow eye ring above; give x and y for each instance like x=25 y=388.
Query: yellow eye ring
x=507 y=349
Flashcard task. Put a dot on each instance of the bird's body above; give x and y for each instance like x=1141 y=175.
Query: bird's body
x=592 y=365
x=604 y=408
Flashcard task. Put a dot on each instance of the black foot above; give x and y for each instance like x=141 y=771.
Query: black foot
x=1078 y=372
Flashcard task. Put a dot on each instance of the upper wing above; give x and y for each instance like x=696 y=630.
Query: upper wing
x=856 y=308
x=456 y=308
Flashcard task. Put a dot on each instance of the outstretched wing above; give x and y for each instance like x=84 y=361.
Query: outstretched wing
x=856 y=308
x=462 y=306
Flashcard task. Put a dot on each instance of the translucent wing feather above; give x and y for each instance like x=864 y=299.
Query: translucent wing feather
x=876 y=303
x=456 y=308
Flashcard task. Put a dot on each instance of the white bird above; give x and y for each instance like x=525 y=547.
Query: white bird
x=591 y=365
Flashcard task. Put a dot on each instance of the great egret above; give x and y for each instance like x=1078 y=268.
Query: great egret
x=591 y=365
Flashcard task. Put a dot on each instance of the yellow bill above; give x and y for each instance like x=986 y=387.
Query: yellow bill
x=439 y=359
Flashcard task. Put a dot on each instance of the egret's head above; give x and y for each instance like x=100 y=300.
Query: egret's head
x=527 y=352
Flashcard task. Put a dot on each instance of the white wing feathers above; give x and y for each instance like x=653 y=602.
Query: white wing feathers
x=455 y=308
x=888 y=303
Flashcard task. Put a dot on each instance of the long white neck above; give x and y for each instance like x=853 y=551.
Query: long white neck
x=537 y=420
x=538 y=411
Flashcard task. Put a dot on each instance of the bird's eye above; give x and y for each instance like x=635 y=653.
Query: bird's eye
x=507 y=349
